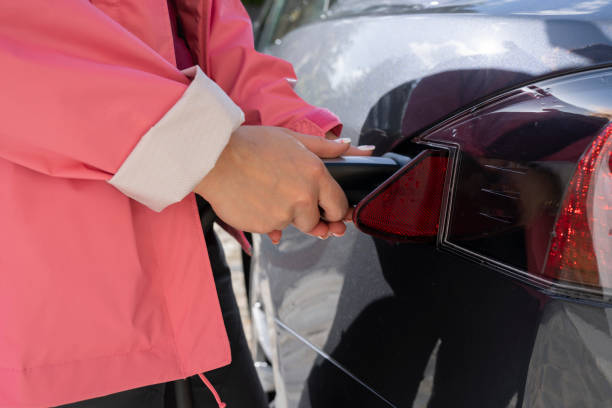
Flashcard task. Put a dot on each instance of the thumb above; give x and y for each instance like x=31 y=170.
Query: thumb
x=324 y=148
x=275 y=236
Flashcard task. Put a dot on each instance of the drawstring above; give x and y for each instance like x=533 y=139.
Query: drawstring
x=212 y=390
x=238 y=236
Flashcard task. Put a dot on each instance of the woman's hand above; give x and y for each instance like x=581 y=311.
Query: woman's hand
x=330 y=147
x=267 y=178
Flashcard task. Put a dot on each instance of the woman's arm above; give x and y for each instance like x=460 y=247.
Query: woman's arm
x=81 y=97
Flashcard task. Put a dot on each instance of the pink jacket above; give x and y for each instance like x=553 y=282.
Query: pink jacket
x=98 y=292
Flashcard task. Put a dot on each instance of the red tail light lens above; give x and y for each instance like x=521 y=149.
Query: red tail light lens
x=531 y=191
x=581 y=247
x=407 y=206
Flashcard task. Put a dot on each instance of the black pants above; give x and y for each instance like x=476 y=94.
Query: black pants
x=237 y=384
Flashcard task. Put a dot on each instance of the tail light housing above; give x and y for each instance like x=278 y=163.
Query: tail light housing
x=521 y=182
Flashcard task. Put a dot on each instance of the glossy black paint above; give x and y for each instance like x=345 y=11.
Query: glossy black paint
x=390 y=342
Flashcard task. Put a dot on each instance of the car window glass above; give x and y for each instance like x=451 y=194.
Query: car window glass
x=287 y=15
x=296 y=13
x=262 y=17
x=269 y=23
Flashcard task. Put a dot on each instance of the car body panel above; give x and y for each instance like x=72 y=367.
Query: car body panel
x=409 y=323
x=356 y=61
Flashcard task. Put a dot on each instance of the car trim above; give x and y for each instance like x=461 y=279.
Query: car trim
x=558 y=290
x=330 y=359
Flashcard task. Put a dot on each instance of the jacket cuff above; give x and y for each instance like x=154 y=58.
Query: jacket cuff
x=317 y=123
x=179 y=150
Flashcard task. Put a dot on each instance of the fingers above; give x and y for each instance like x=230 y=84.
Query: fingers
x=275 y=236
x=324 y=229
x=331 y=211
x=321 y=230
x=324 y=148
x=349 y=215
x=286 y=182
x=331 y=146
x=332 y=199
x=307 y=217
x=321 y=213
x=365 y=150
x=337 y=229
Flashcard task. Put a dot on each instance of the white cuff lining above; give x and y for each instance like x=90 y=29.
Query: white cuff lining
x=179 y=150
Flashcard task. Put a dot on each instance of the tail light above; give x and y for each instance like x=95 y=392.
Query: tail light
x=407 y=206
x=581 y=246
x=529 y=186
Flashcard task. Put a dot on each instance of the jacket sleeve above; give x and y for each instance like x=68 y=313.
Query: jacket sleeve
x=260 y=84
x=81 y=97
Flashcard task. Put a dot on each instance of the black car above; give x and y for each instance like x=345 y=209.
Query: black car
x=479 y=270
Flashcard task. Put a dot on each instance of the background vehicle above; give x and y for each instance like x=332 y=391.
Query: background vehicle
x=489 y=309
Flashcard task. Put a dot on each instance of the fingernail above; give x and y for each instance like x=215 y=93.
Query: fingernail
x=343 y=140
x=337 y=235
x=366 y=147
x=323 y=237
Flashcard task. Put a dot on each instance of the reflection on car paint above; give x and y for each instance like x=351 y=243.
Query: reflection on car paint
x=421 y=327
